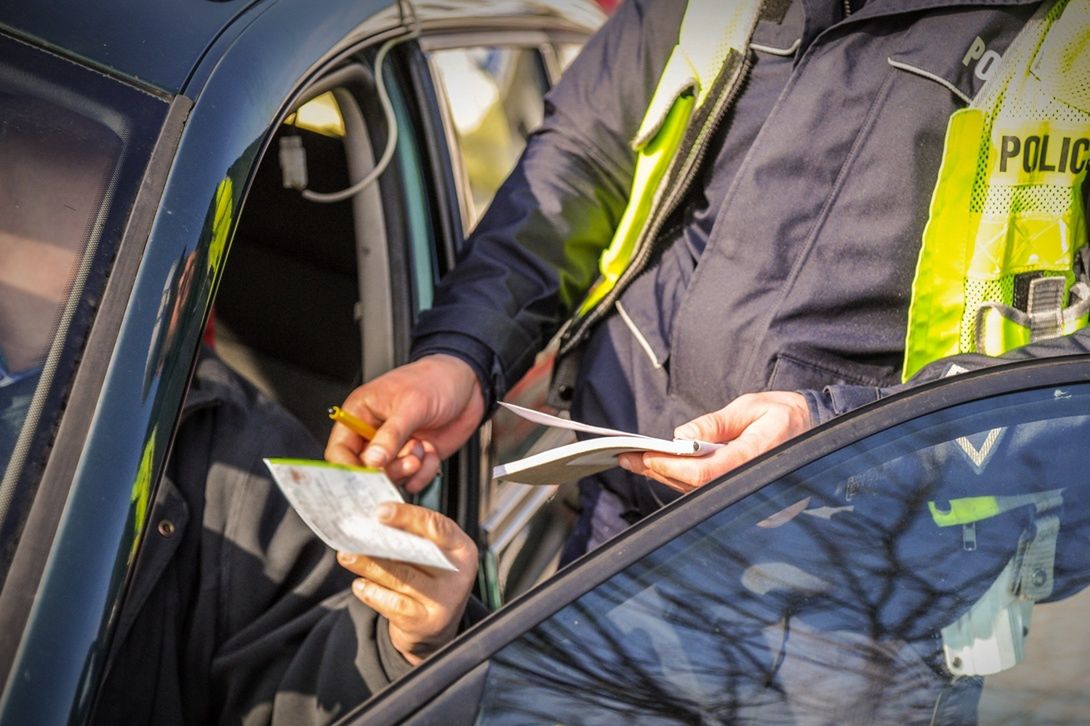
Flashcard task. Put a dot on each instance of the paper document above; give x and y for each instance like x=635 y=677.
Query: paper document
x=589 y=456
x=339 y=502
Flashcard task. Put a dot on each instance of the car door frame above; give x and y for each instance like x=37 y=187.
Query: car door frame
x=473 y=464
x=117 y=428
x=449 y=685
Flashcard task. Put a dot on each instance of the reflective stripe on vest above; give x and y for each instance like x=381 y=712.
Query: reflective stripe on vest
x=1000 y=262
x=711 y=33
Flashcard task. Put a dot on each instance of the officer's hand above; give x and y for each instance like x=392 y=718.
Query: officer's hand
x=424 y=411
x=750 y=425
x=423 y=605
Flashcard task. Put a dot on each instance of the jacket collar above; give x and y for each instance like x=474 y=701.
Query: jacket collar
x=821 y=15
x=880 y=8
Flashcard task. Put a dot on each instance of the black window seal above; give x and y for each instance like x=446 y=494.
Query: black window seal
x=460 y=496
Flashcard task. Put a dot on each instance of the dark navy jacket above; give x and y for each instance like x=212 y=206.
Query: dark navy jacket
x=790 y=265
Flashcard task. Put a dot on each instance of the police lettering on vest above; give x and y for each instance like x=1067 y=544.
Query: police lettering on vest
x=1045 y=153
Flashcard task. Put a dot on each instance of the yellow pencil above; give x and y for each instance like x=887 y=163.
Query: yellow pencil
x=358 y=425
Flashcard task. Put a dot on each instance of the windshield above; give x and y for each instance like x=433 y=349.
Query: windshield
x=929 y=573
x=73 y=145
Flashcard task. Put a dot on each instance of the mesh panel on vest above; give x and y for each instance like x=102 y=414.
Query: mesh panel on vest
x=1034 y=109
x=978 y=292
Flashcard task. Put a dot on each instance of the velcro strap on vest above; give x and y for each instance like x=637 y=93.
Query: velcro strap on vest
x=1000 y=328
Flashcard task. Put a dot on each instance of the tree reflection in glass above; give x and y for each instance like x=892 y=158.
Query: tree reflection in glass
x=886 y=582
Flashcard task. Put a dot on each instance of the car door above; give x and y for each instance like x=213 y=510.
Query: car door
x=200 y=175
x=920 y=560
x=85 y=157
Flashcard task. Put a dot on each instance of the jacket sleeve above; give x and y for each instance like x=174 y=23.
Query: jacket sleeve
x=535 y=252
x=346 y=656
x=286 y=640
x=832 y=401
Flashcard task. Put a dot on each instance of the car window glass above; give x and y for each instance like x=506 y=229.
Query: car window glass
x=73 y=146
x=932 y=572
x=494 y=98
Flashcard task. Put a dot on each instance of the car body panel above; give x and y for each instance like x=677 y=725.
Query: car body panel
x=229 y=72
x=162 y=44
x=146 y=373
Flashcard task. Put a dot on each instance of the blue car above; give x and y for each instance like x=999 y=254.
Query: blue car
x=285 y=182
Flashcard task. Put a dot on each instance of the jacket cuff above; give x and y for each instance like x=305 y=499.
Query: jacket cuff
x=475 y=354
x=832 y=401
x=509 y=350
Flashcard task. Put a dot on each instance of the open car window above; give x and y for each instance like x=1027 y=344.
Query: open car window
x=319 y=288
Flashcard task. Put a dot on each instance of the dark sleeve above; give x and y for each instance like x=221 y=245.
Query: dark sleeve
x=346 y=655
x=535 y=252
x=832 y=401
x=333 y=660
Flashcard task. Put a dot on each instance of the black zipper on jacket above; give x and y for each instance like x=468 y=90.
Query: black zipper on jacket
x=678 y=182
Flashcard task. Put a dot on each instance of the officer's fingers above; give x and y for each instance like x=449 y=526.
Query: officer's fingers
x=633 y=462
x=785 y=415
x=366 y=403
x=390 y=437
x=344 y=445
x=724 y=424
x=396 y=407
x=768 y=431
x=344 y=449
x=402 y=468
x=407 y=462
x=425 y=473
x=781 y=414
x=686 y=473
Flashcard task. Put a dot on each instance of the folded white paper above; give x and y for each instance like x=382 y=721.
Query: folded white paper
x=338 y=503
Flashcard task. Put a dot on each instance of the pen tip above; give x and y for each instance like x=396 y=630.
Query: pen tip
x=332 y=411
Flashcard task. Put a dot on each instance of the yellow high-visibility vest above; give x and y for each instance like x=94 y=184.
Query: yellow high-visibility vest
x=1000 y=263
x=1004 y=256
x=700 y=79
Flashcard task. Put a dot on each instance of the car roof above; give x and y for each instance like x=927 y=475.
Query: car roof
x=159 y=44
x=583 y=15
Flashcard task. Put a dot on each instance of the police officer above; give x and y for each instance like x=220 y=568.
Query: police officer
x=793 y=207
